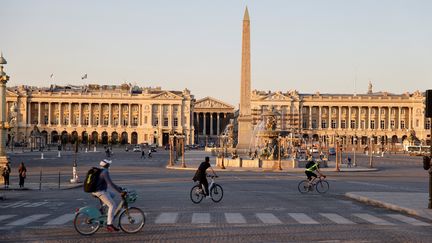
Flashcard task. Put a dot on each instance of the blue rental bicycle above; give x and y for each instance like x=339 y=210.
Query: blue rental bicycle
x=89 y=219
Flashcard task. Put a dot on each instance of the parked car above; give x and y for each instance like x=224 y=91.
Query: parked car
x=332 y=151
x=137 y=148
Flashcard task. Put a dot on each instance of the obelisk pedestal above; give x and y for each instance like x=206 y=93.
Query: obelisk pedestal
x=3 y=121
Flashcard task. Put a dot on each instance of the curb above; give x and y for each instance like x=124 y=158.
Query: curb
x=383 y=204
x=68 y=187
x=299 y=170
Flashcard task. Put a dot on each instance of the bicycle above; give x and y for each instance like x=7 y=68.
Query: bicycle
x=321 y=185
x=89 y=219
x=216 y=192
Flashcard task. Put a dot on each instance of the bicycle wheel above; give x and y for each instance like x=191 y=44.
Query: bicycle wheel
x=216 y=193
x=85 y=225
x=303 y=186
x=322 y=186
x=196 y=194
x=132 y=220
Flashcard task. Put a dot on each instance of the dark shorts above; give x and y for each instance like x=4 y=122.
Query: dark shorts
x=310 y=174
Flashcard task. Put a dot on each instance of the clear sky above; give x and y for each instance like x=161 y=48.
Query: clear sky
x=309 y=45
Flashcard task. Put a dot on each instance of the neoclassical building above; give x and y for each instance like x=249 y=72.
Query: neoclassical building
x=353 y=118
x=99 y=113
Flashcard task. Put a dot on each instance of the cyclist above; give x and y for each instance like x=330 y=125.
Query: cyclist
x=106 y=196
x=312 y=166
x=200 y=175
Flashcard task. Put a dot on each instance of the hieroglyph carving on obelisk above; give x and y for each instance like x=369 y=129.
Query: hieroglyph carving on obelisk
x=245 y=118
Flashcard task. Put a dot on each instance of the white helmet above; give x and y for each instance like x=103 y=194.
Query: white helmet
x=105 y=162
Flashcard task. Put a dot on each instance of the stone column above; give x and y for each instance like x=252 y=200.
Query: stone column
x=358 y=117
x=49 y=114
x=339 y=117
x=100 y=115
x=197 y=122
x=349 y=117
x=204 y=123
x=399 y=118
x=79 y=114
x=29 y=121
x=310 y=117
x=139 y=115
x=389 y=110
x=130 y=116
x=379 y=118
x=90 y=124
x=39 y=113
x=329 y=117
x=410 y=117
x=120 y=120
x=369 y=118
x=218 y=124
x=70 y=114
x=3 y=119
x=60 y=117
x=319 y=117
x=109 y=114
x=211 y=123
x=170 y=116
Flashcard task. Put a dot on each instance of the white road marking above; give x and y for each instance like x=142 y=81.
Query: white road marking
x=4 y=217
x=37 y=204
x=372 y=219
x=337 y=218
x=62 y=219
x=20 y=205
x=302 y=218
x=200 y=218
x=268 y=218
x=11 y=204
x=167 y=218
x=408 y=220
x=235 y=218
x=28 y=219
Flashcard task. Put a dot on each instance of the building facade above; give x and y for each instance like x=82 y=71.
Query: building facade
x=384 y=118
x=103 y=114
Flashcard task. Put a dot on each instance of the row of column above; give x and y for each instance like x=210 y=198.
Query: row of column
x=367 y=124
x=80 y=118
x=220 y=120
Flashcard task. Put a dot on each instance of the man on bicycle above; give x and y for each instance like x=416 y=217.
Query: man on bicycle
x=106 y=196
x=312 y=166
x=200 y=175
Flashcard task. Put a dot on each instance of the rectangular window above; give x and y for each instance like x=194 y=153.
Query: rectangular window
x=135 y=121
x=86 y=120
x=175 y=122
x=66 y=120
x=145 y=119
x=165 y=122
x=333 y=124
x=76 y=120
x=372 y=124
x=105 y=120
x=125 y=121
x=115 y=121
x=96 y=121
x=417 y=123
x=392 y=124
x=343 y=124
x=56 y=120
x=324 y=124
x=402 y=125
x=46 y=120
x=304 y=124
x=382 y=124
x=314 y=124
x=362 y=125
x=156 y=121
x=428 y=124
x=353 y=124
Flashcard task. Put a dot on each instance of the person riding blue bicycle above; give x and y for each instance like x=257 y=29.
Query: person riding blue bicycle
x=311 y=166
x=106 y=196
x=200 y=175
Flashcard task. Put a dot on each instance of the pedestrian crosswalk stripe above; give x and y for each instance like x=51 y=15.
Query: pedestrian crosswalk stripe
x=37 y=204
x=28 y=219
x=302 y=218
x=235 y=218
x=408 y=220
x=372 y=219
x=61 y=220
x=200 y=218
x=11 y=204
x=337 y=218
x=4 y=217
x=268 y=218
x=23 y=204
x=167 y=218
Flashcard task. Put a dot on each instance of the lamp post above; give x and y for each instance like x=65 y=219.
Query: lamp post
x=279 y=153
x=3 y=123
x=182 y=149
x=371 y=142
x=224 y=136
x=337 y=153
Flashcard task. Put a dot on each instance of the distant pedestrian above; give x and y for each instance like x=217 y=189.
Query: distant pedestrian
x=149 y=153
x=349 y=162
x=143 y=154
x=6 y=172
x=22 y=173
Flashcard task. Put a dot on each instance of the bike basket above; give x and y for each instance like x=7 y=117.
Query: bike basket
x=131 y=197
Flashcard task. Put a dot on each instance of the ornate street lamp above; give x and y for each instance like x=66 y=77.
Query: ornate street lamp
x=279 y=151
x=355 y=148
x=337 y=152
x=370 y=152
x=3 y=123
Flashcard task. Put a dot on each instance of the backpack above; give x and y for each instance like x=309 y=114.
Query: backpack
x=91 y=179
x=309 y=164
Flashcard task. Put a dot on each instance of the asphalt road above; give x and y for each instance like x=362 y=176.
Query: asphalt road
x=257 y=206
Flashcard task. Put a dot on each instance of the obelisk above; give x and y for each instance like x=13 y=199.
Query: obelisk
x=245 y=118
x=3 y=121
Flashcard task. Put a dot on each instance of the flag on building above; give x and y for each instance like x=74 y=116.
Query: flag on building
x=84 y=77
